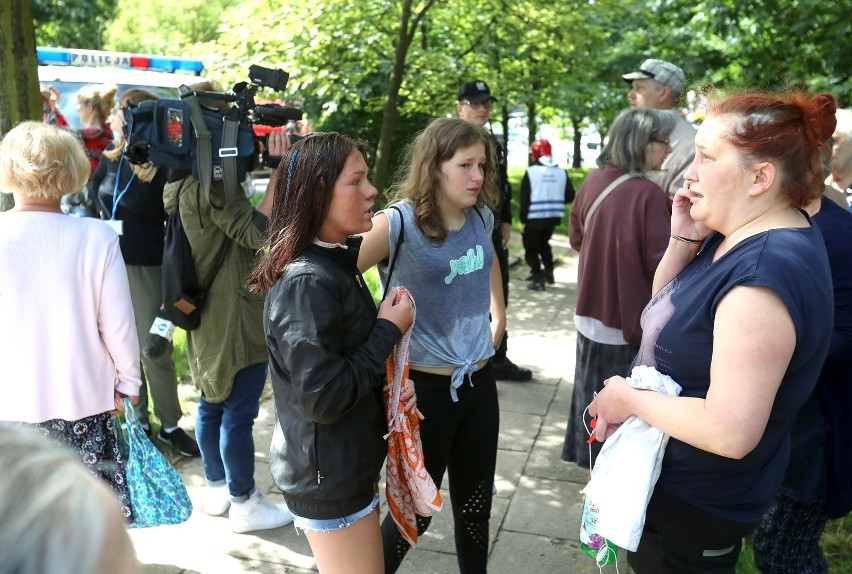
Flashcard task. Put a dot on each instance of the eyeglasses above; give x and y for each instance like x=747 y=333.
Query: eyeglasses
x=666 y=143
x=477 y=105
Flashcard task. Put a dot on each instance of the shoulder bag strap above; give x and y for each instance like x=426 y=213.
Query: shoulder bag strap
x=228 y=156
x=399 y=241
x=603 y=196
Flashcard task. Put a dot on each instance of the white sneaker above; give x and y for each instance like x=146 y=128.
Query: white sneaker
x=217 y=500
x=258 y=513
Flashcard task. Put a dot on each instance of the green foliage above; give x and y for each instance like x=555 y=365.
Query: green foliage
x=72 y=23
x=371 y=276
x=164 y=27
x=751 y=43
x=365 y=125
x=179 y=356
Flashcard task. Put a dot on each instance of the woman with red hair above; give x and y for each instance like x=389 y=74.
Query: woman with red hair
x=741 y=318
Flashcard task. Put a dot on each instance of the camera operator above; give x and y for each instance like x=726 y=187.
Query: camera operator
x=227 y=353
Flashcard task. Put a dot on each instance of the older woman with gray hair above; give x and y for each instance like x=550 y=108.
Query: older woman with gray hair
x=620 y=225
x=68 y=348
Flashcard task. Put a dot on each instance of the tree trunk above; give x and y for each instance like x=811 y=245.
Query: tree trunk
x=19 y=89
x=532 y=126
x=504 y=121
x=390 y=112
x=578 y=147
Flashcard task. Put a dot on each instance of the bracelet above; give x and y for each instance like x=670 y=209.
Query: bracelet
x=686 y=239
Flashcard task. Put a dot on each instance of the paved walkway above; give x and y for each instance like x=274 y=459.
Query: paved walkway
x=536 y=512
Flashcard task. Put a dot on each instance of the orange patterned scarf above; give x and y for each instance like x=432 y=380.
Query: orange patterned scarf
x=410 y=489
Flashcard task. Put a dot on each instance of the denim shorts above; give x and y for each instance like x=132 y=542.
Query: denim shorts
x=309 y=524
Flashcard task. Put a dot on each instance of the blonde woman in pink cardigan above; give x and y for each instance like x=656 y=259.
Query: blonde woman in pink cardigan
x=68 y=347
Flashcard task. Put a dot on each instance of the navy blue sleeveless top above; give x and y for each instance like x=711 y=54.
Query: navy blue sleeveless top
x=678 y=340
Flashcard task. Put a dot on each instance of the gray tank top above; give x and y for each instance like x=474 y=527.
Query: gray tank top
x=450 y=282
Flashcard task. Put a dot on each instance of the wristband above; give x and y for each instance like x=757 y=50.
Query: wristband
x=686 y=239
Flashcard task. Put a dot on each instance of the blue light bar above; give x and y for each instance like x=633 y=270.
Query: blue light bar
x=75 y=57
x=53 y=56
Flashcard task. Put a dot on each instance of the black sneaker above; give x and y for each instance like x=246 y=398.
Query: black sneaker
x=506 y=370
x=178 y=438
x=536 y=285
x=548 y=276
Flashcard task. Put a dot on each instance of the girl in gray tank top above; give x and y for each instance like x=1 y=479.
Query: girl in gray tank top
x=435 y=240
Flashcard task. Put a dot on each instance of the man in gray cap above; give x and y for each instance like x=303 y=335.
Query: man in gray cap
x=659 y=84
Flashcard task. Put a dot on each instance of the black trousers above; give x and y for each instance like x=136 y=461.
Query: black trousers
x=537 y=251
x=679 y=538
x=459 y=438
x=503 y=258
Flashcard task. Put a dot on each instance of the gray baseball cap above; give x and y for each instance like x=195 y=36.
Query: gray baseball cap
x=664 y=72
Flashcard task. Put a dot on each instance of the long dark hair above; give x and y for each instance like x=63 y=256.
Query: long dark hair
x=303 y=192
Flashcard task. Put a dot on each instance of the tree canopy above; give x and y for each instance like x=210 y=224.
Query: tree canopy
x=72 y=23
x=381 y=69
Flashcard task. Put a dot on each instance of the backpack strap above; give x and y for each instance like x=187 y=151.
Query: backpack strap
x=479 y=213
x=203 y=142
x=399 y=241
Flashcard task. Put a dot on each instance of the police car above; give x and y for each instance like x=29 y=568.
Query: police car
x=68 y=69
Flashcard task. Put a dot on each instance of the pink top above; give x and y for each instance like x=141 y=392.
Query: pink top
x=67 y=330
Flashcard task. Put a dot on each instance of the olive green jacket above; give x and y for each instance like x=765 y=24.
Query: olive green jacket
x=230 y=337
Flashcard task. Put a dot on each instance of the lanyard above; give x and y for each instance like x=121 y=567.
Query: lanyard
x=116 y=195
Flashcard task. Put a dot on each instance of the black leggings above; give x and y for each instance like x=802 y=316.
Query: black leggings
x=460 y=438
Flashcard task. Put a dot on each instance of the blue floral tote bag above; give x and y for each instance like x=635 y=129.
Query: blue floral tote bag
x=157 y=492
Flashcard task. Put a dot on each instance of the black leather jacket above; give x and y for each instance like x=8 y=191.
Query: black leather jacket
x=327 y=361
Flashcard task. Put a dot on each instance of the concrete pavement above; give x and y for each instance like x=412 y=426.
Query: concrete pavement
x=536 y=512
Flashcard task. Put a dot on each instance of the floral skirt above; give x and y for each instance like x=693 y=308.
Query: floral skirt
x=93 y=438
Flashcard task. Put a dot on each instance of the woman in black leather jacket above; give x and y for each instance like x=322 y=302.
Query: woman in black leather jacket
x=328 y=347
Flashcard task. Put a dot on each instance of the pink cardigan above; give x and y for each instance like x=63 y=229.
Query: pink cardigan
x=67 y=330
